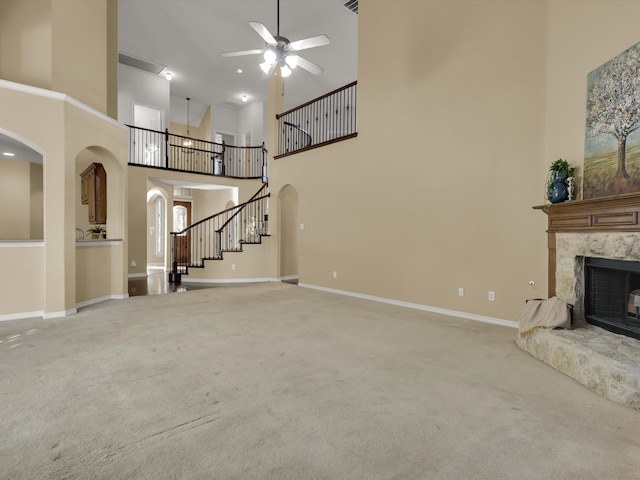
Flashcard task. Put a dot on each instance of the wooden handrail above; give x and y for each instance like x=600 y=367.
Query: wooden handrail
x=239 y=207
x=321 y=97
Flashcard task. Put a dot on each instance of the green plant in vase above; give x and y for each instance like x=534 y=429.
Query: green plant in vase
x=557 y=189
x=97 y=231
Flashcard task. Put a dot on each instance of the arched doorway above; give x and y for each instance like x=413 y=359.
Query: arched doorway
x=158 y=225
x=289 y=228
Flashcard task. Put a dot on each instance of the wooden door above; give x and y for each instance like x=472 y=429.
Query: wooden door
x=182 y=220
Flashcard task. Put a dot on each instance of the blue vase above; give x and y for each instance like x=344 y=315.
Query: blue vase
x=558 y=191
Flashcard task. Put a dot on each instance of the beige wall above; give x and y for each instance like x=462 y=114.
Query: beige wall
x=67 y=46
x=477 y=98
x=201 y=132
x=93 y=272
x=61 y=131
x=36 y=189
x=25 y=42
x=16 y=187
x=208 y=202
x=436 y=191
x=288 y=231
x=249 y=265
x=582 y=36
x=23 y=290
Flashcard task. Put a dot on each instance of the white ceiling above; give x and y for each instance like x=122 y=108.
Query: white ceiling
x=187 y=36
x=20 y=150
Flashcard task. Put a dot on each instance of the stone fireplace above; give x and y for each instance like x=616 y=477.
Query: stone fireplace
x=596 y=233
x=597 y=251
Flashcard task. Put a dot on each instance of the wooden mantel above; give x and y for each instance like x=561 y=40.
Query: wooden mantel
x=618 y=213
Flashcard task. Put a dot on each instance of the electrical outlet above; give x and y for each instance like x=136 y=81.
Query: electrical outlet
x=133 y=263
x=335 y=274
x=302 y=226
x=461 y=292
x=233 y=266
x=492 y=296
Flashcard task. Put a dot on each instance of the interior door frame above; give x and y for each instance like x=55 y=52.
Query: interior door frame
x=185 y=241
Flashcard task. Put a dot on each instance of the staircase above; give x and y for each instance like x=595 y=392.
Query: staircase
x=226 y=231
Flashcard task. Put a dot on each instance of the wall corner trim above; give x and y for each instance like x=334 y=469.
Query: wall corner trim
x=64 y=313
x=31 y=90
x=416 y=306
x=21 y=316
x=93 y=301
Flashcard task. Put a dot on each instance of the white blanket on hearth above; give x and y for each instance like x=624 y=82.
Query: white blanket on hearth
x=551 y=313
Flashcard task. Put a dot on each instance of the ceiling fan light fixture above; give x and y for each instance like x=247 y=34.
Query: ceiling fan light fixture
x=270 y=56
x=285 y=71
x=278 y=51
x=266 y=67
x=291 y=61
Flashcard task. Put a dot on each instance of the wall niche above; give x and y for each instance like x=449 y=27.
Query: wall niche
x=94 y=192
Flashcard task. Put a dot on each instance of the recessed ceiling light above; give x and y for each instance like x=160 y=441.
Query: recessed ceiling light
x=8 y=154
x=239 y=70
x=168 y=76
x=244 y=98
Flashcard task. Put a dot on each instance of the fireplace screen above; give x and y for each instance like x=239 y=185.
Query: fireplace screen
x=612 y=295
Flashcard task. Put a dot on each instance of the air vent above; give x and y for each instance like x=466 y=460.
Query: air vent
x=352 y=5
x=140 y=64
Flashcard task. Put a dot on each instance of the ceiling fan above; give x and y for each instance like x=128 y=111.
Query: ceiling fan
x=279 y=51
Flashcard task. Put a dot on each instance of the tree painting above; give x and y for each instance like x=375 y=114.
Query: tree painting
x=612 y=140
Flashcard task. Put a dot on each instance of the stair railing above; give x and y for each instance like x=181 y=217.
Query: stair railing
x=324 y=120
x=169 y=151
x=297 y=138
x=225 y=231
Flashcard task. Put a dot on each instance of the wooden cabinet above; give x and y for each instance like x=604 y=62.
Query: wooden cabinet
x=94 y=192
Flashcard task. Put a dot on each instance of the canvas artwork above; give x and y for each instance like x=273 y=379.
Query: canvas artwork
x=612 y=134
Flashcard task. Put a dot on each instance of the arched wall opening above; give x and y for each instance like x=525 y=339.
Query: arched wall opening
x=21 y=189
x=100 y=262
x=159 y=221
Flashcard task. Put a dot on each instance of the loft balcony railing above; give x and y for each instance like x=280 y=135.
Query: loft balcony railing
x=168 y=151
x=327 y=119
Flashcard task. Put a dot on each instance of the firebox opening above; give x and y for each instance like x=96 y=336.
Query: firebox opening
x=612 y=295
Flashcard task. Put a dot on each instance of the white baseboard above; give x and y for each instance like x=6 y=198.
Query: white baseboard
x=64 y=313
x=137 y=275
x=216 y=281
x=284 y=278
x=21 y=316
x=416 y=306
x=93 y=301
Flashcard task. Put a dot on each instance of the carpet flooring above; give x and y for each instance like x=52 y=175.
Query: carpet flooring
x=275 y=381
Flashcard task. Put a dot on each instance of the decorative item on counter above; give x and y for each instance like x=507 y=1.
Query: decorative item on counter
x=97 y=232
x=559 y=188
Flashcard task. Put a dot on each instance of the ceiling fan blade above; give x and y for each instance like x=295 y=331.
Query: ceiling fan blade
x=309 y=66
x=311 y=42
x=263 y=32
x=239 y=53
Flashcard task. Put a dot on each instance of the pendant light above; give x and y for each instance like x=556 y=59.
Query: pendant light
x=187 y=143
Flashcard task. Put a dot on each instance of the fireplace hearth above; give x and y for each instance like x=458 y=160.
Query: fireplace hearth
x=594 y=264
